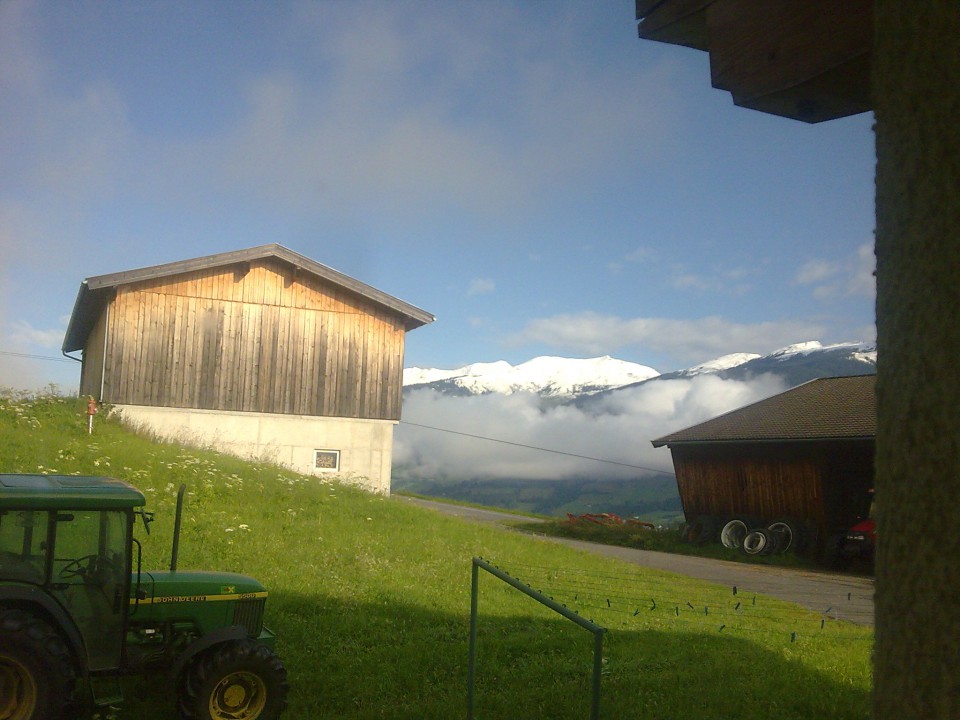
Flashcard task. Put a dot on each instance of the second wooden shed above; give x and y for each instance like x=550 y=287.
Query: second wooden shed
x=805 y=454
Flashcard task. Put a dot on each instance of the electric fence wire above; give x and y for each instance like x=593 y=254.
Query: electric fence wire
x=657 y=594
x=592 y=591
x=601 y=581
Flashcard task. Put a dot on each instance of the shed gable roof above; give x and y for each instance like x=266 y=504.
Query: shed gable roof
x=94 y=291
x=823 y=409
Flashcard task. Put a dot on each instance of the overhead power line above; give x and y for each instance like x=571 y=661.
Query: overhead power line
x=534 y=447
x=33 y=357
x=430 y=427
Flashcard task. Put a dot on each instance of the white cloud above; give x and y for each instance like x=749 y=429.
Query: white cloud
x=638 y=255
x=25 y=336
x=481 y=286
x=690 y=281
x=618 y=429
x=862 y=281
x=30 y=358
x=688 y=341
x=816 y=271
x=720 y=281
x=414 y=112
x=377 y=109
x=851 y=277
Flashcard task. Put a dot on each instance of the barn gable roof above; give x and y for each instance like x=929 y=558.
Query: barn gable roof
x=824 y=409
x=94 y=292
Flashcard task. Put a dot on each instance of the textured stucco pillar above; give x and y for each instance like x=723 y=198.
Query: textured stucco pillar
x=916 y=83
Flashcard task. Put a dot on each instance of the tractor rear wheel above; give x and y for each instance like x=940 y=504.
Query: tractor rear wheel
x=36 y=672
x=238 y=680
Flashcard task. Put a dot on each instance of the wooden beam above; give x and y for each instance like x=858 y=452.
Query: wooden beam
x=679 y=22
x=807 y=60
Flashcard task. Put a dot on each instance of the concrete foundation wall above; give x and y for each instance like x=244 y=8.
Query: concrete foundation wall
x=355 y=451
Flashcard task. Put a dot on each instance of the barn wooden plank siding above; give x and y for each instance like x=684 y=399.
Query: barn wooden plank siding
x=263 y=331
x=259 y=342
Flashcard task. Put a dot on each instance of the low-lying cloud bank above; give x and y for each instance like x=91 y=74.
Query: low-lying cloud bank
x=616 y=427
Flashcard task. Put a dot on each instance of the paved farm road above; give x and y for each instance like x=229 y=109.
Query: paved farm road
x=845 y=597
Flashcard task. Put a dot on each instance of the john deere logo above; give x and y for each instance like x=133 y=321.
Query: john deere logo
x=228 y=589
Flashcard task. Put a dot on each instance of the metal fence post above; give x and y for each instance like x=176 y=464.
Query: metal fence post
x=597 y=631
x=472 y=671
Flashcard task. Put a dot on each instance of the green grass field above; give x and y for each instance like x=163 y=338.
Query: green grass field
x=370 y=599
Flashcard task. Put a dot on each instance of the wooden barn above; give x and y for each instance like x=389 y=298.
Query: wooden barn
x=260 y=352
x=806 y=454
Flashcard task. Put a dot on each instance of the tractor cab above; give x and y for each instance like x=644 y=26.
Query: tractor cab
x=68 y=540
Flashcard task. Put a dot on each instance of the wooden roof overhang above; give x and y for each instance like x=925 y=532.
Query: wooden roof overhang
x=803 y=59
x=95 y=292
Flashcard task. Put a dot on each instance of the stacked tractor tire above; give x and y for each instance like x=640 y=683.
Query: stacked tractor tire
x=749 y=535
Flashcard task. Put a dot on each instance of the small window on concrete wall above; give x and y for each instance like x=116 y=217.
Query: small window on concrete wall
x=326 y=460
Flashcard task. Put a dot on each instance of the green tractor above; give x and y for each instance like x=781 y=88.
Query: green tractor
x=78 y=612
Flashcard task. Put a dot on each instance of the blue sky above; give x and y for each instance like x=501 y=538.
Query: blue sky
x=531 y=173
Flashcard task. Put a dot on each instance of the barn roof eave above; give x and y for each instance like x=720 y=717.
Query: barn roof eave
x=818 y=409
x=94 y=289
x=764 y=441
x=86 y=309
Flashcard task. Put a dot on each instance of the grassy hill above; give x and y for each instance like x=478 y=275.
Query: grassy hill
x=370 y=599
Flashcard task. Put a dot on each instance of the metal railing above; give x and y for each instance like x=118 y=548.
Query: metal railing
x=480 y=564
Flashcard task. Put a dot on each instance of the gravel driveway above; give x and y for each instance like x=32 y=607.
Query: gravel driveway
x=844 y=597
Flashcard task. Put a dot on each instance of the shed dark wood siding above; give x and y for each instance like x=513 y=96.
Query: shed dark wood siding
x=822 y=483
x=261 y=336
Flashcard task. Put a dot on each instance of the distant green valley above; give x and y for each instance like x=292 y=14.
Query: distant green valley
x=653 y=498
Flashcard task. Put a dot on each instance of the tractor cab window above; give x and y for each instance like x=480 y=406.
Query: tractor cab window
x=90 y=575
x=23 y=545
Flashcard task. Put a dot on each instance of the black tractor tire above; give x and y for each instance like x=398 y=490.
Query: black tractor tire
x=733 y=533
x=36 y=670
x=237 y=680
x=757 y=542
x=787 y=535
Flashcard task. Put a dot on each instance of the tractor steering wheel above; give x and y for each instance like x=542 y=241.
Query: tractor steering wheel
x=76 y=567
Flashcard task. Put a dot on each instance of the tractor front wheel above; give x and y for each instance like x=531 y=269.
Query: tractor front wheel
x=239 y=680
x=36 y=672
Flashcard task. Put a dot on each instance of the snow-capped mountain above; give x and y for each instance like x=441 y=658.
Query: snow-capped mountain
x=566 y=378
x=546 y=376
x=725 y=362
x=796 y=363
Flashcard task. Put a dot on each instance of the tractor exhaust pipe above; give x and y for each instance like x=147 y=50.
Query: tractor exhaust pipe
x=176 y=529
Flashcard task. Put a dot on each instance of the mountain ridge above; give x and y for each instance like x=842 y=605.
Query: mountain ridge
x=570 y=379
x=547 y=376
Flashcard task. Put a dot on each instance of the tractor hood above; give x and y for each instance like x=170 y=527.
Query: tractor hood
x=206 y=600
x=162 y=587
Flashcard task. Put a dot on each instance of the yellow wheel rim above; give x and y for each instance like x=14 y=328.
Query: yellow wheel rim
x=238 y=696
x=18 y=691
